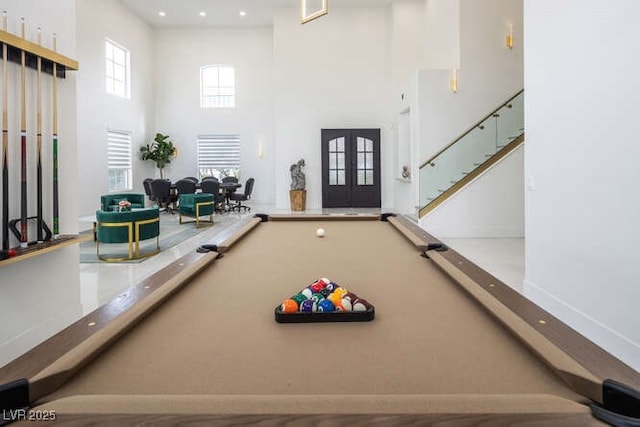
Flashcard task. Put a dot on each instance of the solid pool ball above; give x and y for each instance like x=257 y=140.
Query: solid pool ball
x=326 y=306
x=320 y=232
x=325 y=292
x=334 y=298
x=332 y=286
x=318 y=286
x=298 y=298
x=289 y=306
x=340 y=291
x=308 y=306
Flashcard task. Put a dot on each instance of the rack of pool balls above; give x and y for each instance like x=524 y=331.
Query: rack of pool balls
x=324 y=301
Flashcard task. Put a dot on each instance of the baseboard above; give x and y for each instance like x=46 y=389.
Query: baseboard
x=607 y=338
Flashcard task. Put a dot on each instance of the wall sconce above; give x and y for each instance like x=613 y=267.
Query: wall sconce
x=509 y=40
x=453 y=84
x=260 y=150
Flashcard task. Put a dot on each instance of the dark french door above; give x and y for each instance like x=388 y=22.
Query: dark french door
x=350 y=168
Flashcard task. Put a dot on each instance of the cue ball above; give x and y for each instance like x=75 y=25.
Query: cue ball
x=320 y=232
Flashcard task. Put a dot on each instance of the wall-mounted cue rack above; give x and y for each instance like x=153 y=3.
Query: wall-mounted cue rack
x=16 y=45
x=34 y=56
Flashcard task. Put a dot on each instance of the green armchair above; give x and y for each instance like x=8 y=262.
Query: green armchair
x=127 y=227
x=109 y=201
x=195 y=206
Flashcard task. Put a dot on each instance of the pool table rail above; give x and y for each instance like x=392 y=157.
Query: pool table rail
x=58 y=358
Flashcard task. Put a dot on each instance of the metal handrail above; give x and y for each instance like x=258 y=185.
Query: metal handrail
x=470 y=129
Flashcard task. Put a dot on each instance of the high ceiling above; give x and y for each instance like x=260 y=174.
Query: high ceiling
x=225 y=13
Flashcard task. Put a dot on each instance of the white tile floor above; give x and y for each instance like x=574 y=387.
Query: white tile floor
x=503 y=258
x=101 y=282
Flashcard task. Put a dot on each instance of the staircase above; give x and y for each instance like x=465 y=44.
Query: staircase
x=471 y=154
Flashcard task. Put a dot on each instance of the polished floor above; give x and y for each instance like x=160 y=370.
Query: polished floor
x=101 y=282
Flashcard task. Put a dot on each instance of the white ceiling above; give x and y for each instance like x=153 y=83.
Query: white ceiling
x=224 y=13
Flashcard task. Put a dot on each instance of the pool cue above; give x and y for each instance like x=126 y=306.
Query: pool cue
x=5 y=144
x=23 y=149
x=39 y=141
x=56 y=208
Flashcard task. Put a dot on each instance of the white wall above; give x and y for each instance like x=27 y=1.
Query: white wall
x=489 y=74
x=330 y=73
x=582 y=156
x=26 y=286
x=425 y=35
x=99 y=111
x=179 y=55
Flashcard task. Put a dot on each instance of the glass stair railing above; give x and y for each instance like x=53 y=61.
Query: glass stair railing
x=472 y=153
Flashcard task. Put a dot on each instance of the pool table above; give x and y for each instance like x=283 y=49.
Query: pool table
x=198 y=342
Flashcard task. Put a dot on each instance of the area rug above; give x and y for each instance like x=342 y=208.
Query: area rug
x=171 y=234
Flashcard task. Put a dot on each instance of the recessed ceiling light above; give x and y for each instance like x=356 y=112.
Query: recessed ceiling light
x=162 y=13
x=243 y=13
x=203 y=13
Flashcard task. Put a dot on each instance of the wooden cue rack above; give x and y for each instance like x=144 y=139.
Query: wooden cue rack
x=15 y=46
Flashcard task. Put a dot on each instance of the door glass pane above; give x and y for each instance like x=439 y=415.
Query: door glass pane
x=369 y=160
x=333 y=161
x=341 y=144
x=341 y=177
x=361 y=177
x=361 y=164
x=333 y=178
x=369 y=177
x=340 y=161
x=333 y=145
x=360 y=144
x=368 y=145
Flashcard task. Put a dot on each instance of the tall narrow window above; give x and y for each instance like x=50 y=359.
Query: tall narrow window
x=119 y=160
x=117 y=69
x=217 y=86
x=219 y=155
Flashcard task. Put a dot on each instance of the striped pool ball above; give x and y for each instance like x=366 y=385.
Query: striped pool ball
x=299 y=298
x=308 y=306
x=346 y=304
x=350 y=296
x=326 y=306
x=307 y=292
x=317 y=297
x=289 y=306
x=360 y=305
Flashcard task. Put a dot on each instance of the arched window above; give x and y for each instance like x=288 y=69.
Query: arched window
x=217 y=86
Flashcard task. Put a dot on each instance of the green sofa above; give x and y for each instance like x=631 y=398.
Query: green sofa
x=127 y=227
x=108 y=202
x=195 y=206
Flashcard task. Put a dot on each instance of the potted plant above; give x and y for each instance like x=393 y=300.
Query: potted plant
x=161 y=150
x=298 y=192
